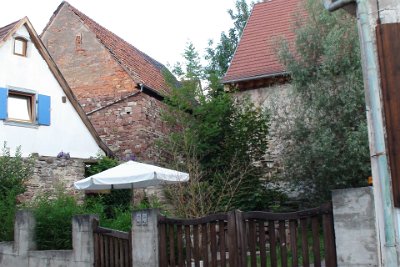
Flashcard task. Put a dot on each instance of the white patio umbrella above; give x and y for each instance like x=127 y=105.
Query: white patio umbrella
x=131 y=175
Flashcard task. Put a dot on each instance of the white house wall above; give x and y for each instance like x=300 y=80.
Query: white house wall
x=66 y=132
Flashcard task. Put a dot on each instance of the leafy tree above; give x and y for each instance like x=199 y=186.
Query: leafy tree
x=220 y=55
x=326 y=144
x=220 y=141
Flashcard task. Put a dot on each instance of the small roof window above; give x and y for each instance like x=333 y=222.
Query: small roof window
x=20 y=46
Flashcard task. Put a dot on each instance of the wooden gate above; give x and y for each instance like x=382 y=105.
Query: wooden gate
x=250 y=239
x=111 y=247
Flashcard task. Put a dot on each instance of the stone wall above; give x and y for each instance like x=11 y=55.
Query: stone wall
x=276 y=99
x=130 y=126
x=51 y=174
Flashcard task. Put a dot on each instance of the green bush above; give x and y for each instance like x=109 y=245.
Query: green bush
x=14 y=171
x=8 y=207
x=54 y=217
x=53 y=221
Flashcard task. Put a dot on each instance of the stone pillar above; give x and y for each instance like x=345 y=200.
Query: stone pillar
x=145 y=238
x=24 y=232
x=82 y=239
x=355 y=229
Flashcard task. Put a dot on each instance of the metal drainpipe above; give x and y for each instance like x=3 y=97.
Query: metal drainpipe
x=379 y=138
x=373 y=91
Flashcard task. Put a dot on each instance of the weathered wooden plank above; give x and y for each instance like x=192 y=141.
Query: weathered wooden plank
x=252 y=243
x=204 y=244
x=179 y=237
x=304 y=242
x=213 y=246
x=388 y=43
x=101 y=245
x=261 y=215
x=261 y=236
x=241 y=238
x=163 y=245
x=188 y=246
x=106 y=251
x=96 y=250
x=329 y=241
x=196 y=250
x=293 y=242
x=316 y=244
x=171 y=233
x=232 y=240
x=222 y=249
x=272 y=243
x=198 y=221
x=116 y=252
x=282 y=243
x=111 y=251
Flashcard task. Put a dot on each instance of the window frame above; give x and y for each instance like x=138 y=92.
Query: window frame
x=24 y=46
x=32 y=104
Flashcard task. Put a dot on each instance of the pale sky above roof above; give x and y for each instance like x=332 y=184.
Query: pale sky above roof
x=160 y=28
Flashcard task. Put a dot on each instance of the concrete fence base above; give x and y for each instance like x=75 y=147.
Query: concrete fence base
x=22 y=252
x=355 y=229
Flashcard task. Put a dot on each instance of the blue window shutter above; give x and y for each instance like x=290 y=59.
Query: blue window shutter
x=43 y=110
x=3 y=103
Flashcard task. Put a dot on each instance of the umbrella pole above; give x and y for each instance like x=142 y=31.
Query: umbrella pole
x=133 y=196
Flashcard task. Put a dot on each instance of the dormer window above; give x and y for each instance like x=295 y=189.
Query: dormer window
x=20 y=46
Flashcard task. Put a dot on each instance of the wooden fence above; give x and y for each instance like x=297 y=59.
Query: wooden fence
x=250 y=239
x=112 y=248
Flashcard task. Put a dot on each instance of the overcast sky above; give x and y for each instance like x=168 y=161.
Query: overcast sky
x=160 y=28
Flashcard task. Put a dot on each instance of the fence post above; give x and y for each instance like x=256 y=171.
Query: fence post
x=145 y=241
x=232 y=240
x=82 y=239
x=241 y=238
x=24 y=231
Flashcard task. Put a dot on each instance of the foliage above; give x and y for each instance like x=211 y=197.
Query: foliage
x=14 y=171
x=220 y=141
x=54 y=216
x=326 y=143
x=103 y=163
x=53 y=221
x=8 y=208
x=219 y=55
x=120 y=198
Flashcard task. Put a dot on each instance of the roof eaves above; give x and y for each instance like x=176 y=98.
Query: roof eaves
x=245 y=79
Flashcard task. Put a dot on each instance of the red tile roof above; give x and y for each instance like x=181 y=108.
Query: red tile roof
x=141 y=67
x=6 y=29
x=255 y=55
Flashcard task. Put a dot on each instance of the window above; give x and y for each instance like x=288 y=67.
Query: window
x=20 y=45
x=21 y=107
x=24 y=107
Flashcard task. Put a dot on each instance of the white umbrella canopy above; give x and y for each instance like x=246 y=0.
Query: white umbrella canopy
x=130 y=175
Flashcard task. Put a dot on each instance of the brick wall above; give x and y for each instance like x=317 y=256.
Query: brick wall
x=128 y=127
x=131 y=127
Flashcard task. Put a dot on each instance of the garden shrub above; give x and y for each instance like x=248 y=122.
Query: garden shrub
x=14 y=171
x=53 y=221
